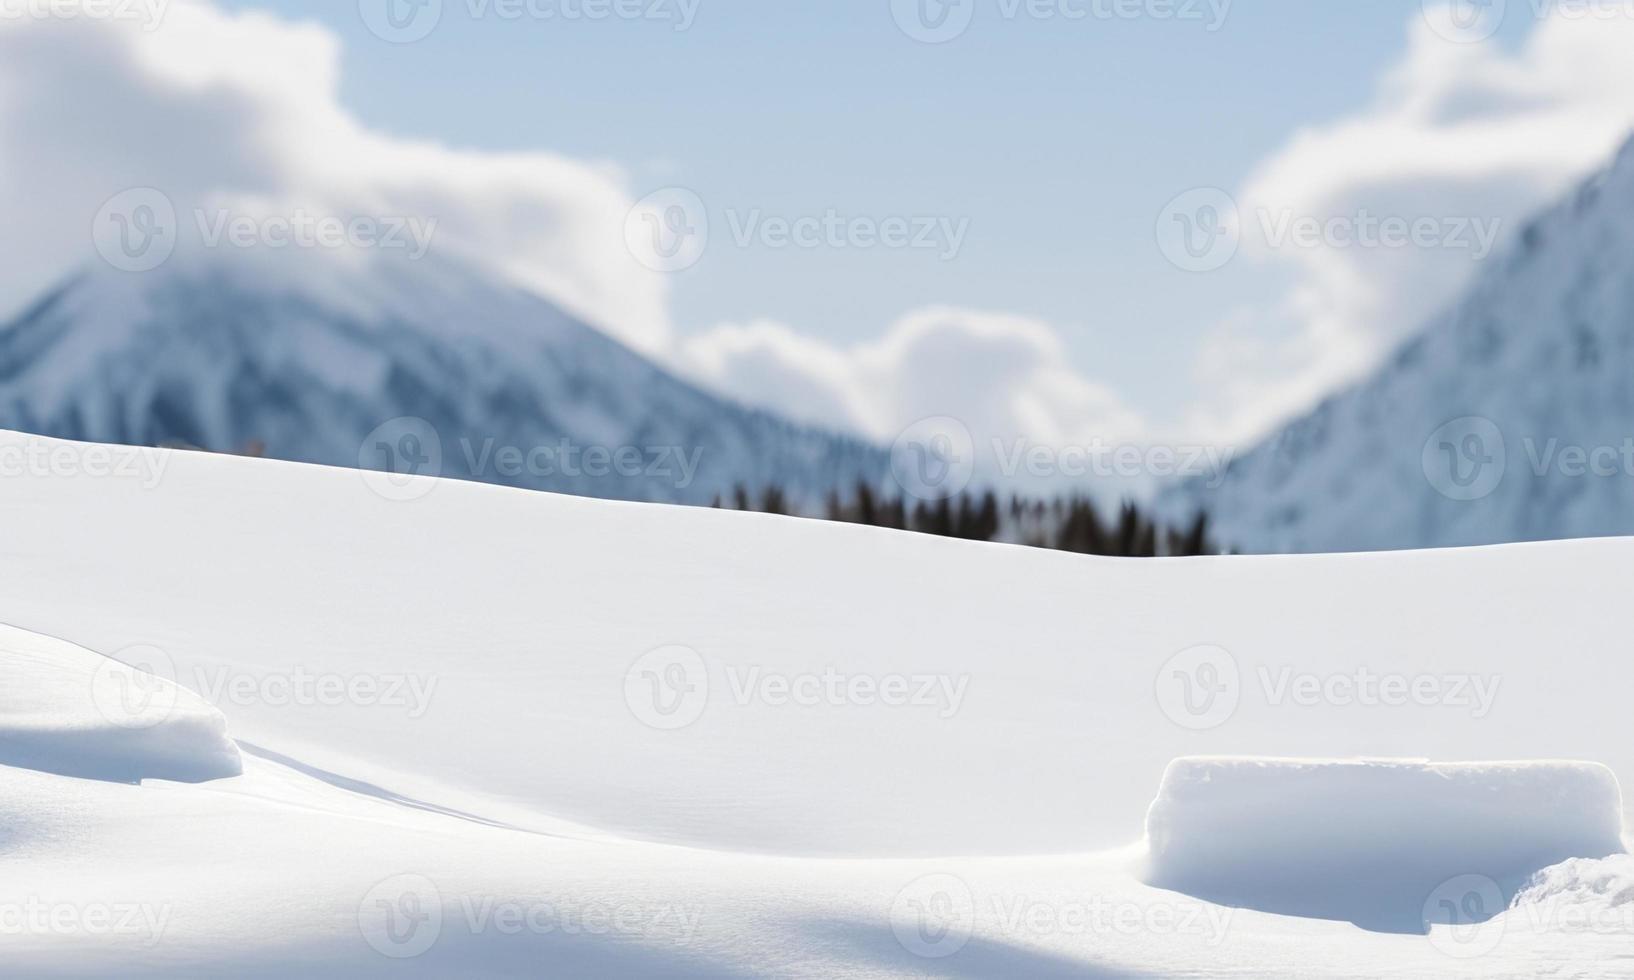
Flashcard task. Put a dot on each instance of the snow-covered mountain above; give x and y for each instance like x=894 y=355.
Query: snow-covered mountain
x=1509 y=418
x=424 y=367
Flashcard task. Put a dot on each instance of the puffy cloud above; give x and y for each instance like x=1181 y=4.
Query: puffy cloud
x=1005 y=378
x=1469 y=135
x=241 y=111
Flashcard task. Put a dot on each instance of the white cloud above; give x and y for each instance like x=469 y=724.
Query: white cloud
x=1456 y=131
x=242 y=110
x=1004 y=377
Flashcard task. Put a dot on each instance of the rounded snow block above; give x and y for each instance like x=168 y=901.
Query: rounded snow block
x=70 y=711
x=1371 y=842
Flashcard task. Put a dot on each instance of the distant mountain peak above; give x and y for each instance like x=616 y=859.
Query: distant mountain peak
x=330 y=360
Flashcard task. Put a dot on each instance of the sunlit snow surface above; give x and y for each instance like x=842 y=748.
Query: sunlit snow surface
x=495 y=733
x=69 y=711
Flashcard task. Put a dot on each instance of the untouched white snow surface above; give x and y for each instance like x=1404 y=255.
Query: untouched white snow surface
x=491 y=732
x=64 y=709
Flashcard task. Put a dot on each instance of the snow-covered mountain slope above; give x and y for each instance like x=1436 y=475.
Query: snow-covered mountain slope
x=460 y=708
x=420 y=366
x=1510 y=418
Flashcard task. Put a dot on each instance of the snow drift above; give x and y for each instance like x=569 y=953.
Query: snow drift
x=72 y=712
x=1595 y=889
x=1370 y=841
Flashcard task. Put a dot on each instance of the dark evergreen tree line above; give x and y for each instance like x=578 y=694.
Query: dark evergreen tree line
x=1065 y=524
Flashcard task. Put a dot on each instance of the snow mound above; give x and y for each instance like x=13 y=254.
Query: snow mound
x=68 y=711
x=1606 y=885
x=1370 y=841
